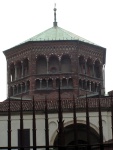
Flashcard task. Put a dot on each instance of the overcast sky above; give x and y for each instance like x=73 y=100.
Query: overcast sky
x=22 y=19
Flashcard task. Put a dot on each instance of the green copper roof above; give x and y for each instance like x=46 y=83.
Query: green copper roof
x=57 y=33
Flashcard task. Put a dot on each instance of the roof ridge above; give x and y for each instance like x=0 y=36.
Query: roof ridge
x=64 y=31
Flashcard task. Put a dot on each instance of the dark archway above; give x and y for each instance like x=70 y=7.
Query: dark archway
x=89 y=67
x=53 y=64
x=82 y=68
x=98 y=69
x=65 y=64
x=81 y=133
x=41 y=65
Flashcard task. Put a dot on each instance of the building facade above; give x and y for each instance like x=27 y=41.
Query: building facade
x=60 y=68
x=36 y=66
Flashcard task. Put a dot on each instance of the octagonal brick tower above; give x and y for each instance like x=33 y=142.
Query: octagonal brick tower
x=36 y=66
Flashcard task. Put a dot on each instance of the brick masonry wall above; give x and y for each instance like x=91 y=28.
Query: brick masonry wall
x=32 y=50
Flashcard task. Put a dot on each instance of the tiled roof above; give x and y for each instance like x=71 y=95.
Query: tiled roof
x=53 y=104
x=57 y=33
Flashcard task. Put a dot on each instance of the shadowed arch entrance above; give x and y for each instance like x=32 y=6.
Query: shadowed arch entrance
x=82 y=135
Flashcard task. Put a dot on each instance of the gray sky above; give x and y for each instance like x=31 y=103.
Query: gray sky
x=22 y=19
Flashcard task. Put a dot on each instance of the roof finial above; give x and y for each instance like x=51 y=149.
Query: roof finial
x=55 y=23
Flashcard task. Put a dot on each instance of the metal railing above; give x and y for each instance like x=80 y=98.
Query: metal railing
x=58 y=106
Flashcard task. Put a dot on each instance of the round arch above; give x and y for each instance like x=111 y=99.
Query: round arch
x=98 y=69
x=53 y=64
x=68 y=127
x=65 y=63
x=41 y=64
x=89 y=64
x=82 y=62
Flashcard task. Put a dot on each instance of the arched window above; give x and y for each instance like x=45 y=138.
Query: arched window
x=50 y=83
x=44 y=83
x=80 y=83
x=70 y=83
x=15 y=90
x=41 y=65
x=53 y=64
x=95 y=87
x=37 y=84
x=23 y=87
x=64 y=83
x=81 y=65
x=19 y=88
x=12 y=72
x=25 y=67
x=89 y=67
x=84 y=84
x=19 y=69
x=11 y=91
x=57 y=82
x=88 y=85
x=99 y=87
x=97 y=69
x=92 y=86
x=65 y=64
x=28 y=86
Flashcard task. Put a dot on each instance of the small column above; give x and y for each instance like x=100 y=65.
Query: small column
x=40 y=83
x=47 y=82
x=87 y=85
x=90 y=86
x=25 y=87
x=17 y=89
x=97 y=88
x=22 y=69
x=54 y=83
x=93 y=86
x=67 y=82
x=60 y=82
x=21 y=87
